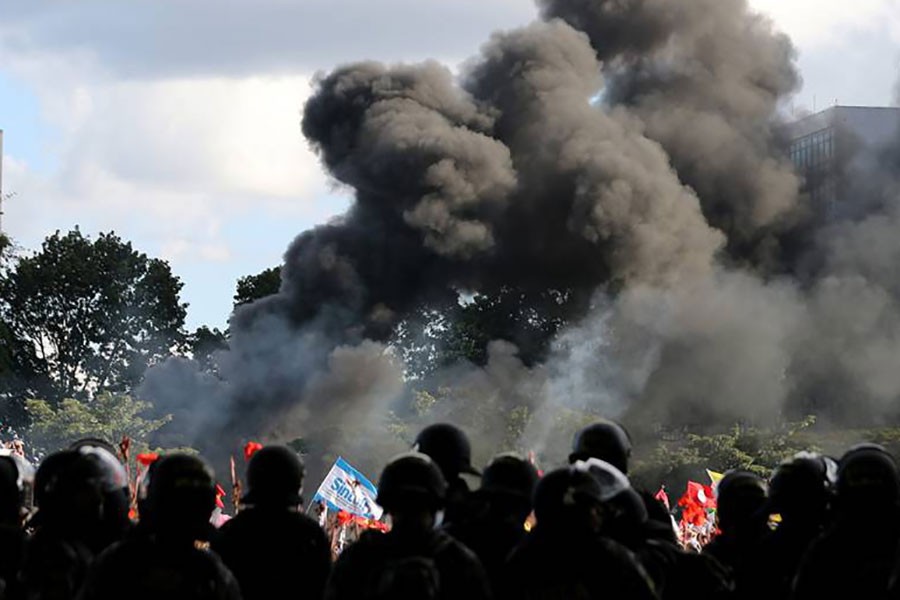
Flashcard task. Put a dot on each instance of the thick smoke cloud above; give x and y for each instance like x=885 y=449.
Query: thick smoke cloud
x=629 y=151
x=706 y=78
x=593 y=189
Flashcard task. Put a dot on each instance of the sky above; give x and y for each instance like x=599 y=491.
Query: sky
x=176 y=123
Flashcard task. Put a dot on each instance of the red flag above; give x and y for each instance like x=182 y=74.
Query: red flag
x=663 y=497
x=220 y=493
x=699 y=494
x=251 y=448
x=696 y=499
x=147 y=458
x=693 y=514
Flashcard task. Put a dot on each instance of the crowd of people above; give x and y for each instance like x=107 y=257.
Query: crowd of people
x=580 y=531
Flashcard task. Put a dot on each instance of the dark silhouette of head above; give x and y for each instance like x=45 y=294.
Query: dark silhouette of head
x=606 y=440
x=624 y=514
x=568 y=501
x=275 y=478
x=82 y=494
x=179 y=497
x=16 y=482
x=801 y=489
x=412 y=490
x=867 y=483
x=741 y=503
x=508 y=484
x=449 y=447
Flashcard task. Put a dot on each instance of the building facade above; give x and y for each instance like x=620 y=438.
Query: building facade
x=832 y=147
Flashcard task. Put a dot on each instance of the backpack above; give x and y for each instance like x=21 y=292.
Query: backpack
x=411 y=577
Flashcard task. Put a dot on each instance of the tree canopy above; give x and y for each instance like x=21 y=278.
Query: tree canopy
x=440 y=335
x=107 y=416
x=96 y=311
x=254 y=287
x=204 y=343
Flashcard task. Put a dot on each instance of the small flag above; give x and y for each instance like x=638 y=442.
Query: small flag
x=663 y=497
x=147 y=458
x=701 y=494
x=250 y=449
x=695 y=502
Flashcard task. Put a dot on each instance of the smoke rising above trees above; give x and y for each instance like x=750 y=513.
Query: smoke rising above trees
x=626 y=155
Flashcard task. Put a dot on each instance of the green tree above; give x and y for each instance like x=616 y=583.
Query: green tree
x=759 y=450
x=20 y=371
x=254 y=287
x=204 y=343
x=98 y=312
x=107 y=416
x=21 y=376
x=459 y=329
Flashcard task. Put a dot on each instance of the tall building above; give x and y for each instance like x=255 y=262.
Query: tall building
x=829 y=148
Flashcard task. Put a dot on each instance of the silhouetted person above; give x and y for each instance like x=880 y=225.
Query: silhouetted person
x=414 y=561
x=273 y=549
x=743 y=523
x=800 y=491
x=500 y=508
x=647 y=530
x=16 y=480
x=450 y=449
x=164 y=559
x=854 y=558
x=610 y=442
x=674 y=573
x=565 y=556
x=77 y=497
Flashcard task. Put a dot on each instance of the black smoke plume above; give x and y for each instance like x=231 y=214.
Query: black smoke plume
x=628 y=152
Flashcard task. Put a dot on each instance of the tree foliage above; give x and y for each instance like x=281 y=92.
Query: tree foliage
x=750 y=448
x=21 y=374
x=460 y=329
x=204 y=343
x=107 y=416
x=254 y=287
x=96 y=311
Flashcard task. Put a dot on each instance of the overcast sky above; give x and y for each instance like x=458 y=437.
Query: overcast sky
x=176 y=123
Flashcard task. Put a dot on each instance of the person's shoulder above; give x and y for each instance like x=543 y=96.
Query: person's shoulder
x=370 y=540
x=615 y=554
x=447 y=546
x=254 y=517
x=368 y=550
x=123 y=556
x=214 y=562
x=302 y=521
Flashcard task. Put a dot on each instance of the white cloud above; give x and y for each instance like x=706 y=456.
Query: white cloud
x=176 y=250
x=224 y=136
x=170 y=160
x=815 y=23
x=158 y=39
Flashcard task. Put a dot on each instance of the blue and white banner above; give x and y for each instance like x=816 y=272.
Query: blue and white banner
x=347 y=489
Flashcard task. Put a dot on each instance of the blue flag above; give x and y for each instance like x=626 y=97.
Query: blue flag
x=347 y=489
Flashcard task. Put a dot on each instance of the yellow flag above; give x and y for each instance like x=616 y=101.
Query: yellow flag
x=714 y=477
